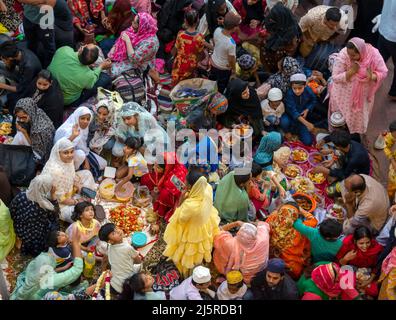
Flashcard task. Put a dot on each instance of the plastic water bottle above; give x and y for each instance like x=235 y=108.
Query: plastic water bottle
x=89 y=265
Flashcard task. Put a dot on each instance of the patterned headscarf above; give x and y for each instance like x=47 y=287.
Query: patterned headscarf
x=41 y=131
x=281 y=79
x=147 y=29
x=281 y=224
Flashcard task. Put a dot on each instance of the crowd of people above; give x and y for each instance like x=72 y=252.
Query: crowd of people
x=76 y=93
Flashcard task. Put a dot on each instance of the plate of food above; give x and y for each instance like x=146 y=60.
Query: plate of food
x=316 y=178
x=336 y=211
x=315 y=158
x=302 y=184
x=292 y=171
x=305 y=201
x=299 y=155
x=127 y=218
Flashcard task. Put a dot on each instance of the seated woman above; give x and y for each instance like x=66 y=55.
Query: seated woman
x=190 y=232
x=232 y=200
x=388 y=277
x=102 y=127
x=140 y=287
x=34 y=129
x=135 y=121
x=247 y=252
x=269 y=143
x=137 y=46
x=66 y=180
x=35 y=214
x=361 y=250
x=252 y=14
x=34 y=284
x=135 y=166
x=325 y=283
x=243 y=101
x=170 y=186
x=7 y=234
x=88 y=18
x=76 y=129
x=47 y=94
x=86 y=226
x=286 y=242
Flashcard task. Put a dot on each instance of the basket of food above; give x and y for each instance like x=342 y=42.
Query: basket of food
x=292 y=171
x=127 y=218
x=299 y=155
x=316 y=178
x=336 y=211
x=305 y=201
x=107 y=188
x=315 y=158
x=302 y=184
x=126 y=192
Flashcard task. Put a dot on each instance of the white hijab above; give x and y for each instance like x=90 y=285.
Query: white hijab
x=39 y=191
x=66 y=129
x=62 y=173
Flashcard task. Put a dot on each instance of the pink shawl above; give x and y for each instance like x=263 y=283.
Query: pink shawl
x=147 y=29
x=369 y=58
x=248 y=251
x=389 y=262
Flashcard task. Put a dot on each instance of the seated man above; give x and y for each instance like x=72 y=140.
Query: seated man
x=319 y=24
x=77 y=80
x=195 y=286
x=23 y=65
x=273 y=283
x=367 y=203
x=356 y=158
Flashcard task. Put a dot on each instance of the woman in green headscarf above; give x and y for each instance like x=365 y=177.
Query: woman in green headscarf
x=7 y=234
x=269 y=143
x=232 y=200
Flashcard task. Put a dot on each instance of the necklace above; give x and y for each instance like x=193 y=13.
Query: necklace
x=106 y=277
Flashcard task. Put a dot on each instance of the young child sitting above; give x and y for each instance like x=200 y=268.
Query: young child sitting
x=390 y=153
x=273 y=109
x=232 y=289
x=123 y=258
x=259 y=191
x=135 y=164
x=87 y=226
x=59 y=247
x=299 y=102
x=317 y=83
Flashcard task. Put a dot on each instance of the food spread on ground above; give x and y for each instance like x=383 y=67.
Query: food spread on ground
x=304 y=201
x=316 y=158
x=336 y=211
x=317 y=178
x=302 y=184
x=299 y=155
x=127 y=218
x=292 y=171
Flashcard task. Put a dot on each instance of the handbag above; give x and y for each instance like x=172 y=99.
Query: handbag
x=18 y=163
x=166 y=275
x=130 y=86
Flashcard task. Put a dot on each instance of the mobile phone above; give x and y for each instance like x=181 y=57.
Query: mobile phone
x=178 y=183
x=89 y=193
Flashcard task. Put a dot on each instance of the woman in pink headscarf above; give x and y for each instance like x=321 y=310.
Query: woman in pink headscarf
x=247 y=252
x=358 y=72
x=137 y=46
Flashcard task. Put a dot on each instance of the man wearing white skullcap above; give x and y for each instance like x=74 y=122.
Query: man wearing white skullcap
x=192 y=287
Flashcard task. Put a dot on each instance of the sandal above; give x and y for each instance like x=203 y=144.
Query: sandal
x=100 y=213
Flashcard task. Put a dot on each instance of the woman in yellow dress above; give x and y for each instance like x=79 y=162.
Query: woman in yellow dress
x=190 y=232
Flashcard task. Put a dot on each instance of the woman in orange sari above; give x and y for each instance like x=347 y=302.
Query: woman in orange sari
x=286 y=242
x=189 y=46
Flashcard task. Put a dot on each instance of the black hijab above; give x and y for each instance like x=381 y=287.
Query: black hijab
x=237 y=105
x=211 y=14
x=282 y=26
x=254 y=11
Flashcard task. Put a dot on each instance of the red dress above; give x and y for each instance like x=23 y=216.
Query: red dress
x=189 y=46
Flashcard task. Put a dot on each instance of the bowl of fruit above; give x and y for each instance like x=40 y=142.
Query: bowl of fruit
x=305 y=201
x=316 y=178
x=315 y=158
x=292 y=171
x=299 y=155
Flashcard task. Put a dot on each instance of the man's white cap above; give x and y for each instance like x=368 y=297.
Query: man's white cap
x=201 y=275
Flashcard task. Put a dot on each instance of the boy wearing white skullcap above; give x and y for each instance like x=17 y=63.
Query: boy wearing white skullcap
x=192 y=287
x=273 y=109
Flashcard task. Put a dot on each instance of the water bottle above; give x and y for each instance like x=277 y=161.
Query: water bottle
x=89 y=265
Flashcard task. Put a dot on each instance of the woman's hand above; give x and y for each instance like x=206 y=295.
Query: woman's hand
x=254 y=24
x=350 y=255
x=75 y=131
x=21 y=130
x=125 y=37
x=53 y=193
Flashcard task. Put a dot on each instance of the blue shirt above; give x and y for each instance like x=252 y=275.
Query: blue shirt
x=387 y=27
x=296 y=105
